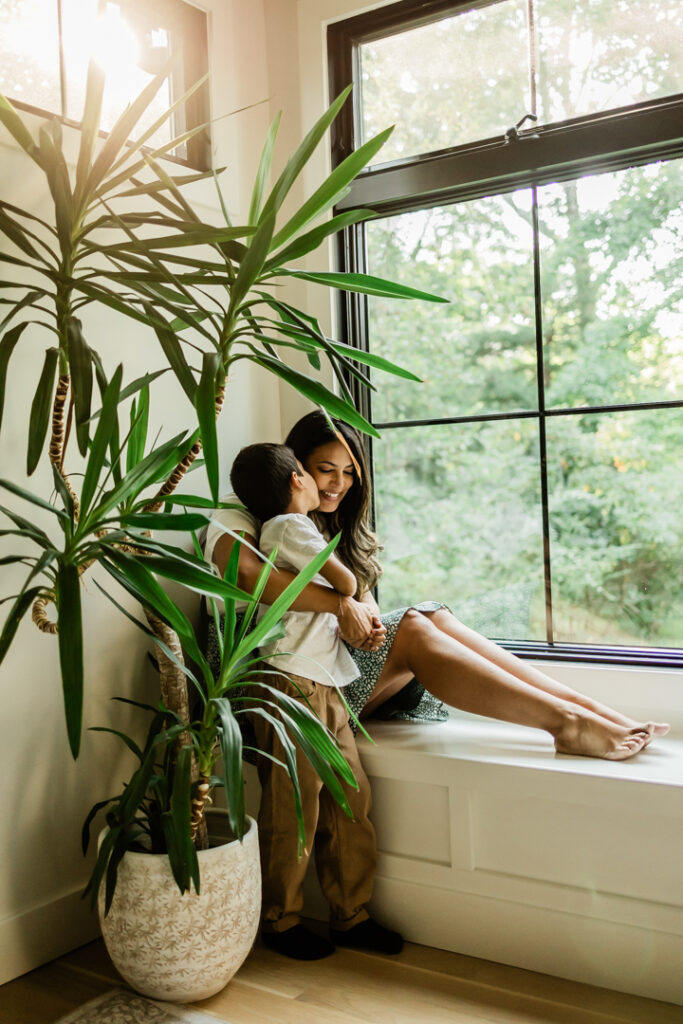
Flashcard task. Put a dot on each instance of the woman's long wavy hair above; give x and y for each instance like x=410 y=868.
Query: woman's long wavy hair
x=358 y=545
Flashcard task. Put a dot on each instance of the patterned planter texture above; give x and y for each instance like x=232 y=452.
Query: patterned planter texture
x=182 y=948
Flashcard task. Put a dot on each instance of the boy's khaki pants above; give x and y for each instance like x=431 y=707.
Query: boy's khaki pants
x=345 y=849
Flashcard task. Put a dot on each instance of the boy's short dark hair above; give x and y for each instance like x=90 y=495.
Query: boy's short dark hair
x=261 y=477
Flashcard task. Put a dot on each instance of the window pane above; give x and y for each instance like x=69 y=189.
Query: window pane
x=616 y=527
x=478 y=352
x=447 y=83
x=29 y=53
x=612 y=253
x=596 y=55
x=129 y=56
x=458 y=513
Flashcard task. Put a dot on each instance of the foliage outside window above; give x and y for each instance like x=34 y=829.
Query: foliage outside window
x=533 y=481
x=45 y=46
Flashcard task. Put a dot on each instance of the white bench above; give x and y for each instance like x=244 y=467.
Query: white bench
x=494 y=846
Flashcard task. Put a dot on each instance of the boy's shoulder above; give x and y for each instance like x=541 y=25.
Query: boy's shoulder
x=295 y=519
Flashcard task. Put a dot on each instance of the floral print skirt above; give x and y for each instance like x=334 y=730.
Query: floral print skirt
x=413 y=703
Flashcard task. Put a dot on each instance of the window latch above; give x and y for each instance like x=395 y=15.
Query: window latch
x=513 y=134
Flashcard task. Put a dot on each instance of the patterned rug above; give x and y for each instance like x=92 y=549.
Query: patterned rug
x=121 y=1006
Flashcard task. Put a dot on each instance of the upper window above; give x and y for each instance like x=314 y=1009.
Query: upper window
x=45 y=47
x=533 y=481
x=471 y=75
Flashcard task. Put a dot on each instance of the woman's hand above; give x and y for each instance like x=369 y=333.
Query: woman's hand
x=356 y=622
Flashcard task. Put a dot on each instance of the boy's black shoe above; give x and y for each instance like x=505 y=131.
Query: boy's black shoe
x=298 y=943
x=368 y=935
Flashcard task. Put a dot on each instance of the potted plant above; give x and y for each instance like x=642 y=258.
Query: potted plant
x=160 y=811
x=208 y=311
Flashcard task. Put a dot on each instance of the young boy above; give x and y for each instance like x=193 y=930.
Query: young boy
x=275 y=488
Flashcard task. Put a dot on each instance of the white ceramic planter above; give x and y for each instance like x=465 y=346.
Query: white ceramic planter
x=184 y=947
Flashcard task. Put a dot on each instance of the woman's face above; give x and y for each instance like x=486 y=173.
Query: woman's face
x=332 y=469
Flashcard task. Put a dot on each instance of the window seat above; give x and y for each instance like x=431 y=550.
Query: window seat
x=493 y=845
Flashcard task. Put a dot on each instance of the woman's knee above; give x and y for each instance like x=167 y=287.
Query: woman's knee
x=413 y=625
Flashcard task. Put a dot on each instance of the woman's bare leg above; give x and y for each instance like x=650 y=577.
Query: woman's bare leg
x=466 y=679
x=447 y=623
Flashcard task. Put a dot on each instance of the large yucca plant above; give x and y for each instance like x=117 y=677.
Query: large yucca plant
x=206 y=293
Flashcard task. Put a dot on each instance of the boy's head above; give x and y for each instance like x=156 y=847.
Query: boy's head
x=265 y=477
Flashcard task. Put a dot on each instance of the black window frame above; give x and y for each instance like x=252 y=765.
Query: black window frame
x=611 y=140
x=188 y=24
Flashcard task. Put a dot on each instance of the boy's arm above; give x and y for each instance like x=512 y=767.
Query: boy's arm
x=341 y=578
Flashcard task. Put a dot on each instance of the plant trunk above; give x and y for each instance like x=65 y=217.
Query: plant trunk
x=174 y=695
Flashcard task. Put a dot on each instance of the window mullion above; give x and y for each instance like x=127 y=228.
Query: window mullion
x=540 y=380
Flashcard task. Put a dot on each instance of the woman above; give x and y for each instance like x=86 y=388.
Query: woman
x=454 y=664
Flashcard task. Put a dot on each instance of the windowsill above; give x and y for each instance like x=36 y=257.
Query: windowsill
x=647 y=694
x=469 y=738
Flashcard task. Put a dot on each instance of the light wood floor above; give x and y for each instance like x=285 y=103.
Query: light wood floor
x=420 y=986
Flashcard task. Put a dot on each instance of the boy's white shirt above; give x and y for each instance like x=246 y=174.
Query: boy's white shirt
x=311 y=641
x=237 y=520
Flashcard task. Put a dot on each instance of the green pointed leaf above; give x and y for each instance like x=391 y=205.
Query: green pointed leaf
x=157 y=463
x=80 y=368
x=123 y=128
x=334 y=186
x=90 y=124
x=152 y=187
x=289 y=751
x=174 y=353
x=30 y=300
x=134 y=147
x=6 y=348
x=19 y=236
x=171 y=655
x=263 y=173
x=16 y=613
x=107 y=422
x=230 y=617
x=366 y=284
x=16 y=127
x=252 y=261
x=182 y=854
x=301 y=157
x=233 y=773
x=129 y=172
x=35 y=499
x=139 y=581
x=317 y=392
x=311 y=240
x=205 y=404
x=201 y=235
x=41 y=408
x=185 y=521
x=57 y=175
x=71 y=650
x=369 y=359
x=137 y=438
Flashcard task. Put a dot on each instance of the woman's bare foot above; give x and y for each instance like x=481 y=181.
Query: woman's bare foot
x=589 y=735
x=654 y=728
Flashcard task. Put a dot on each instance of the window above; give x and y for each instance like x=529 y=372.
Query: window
x=45 y=47
x=534 y=480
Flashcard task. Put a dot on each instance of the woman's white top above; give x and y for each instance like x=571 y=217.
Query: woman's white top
x=311 y=646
